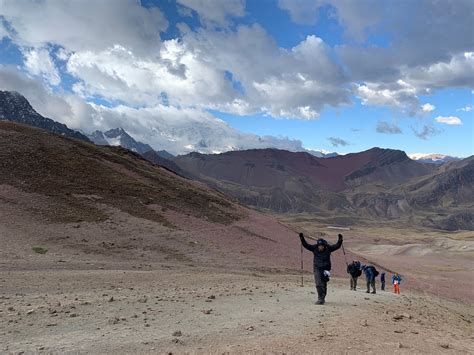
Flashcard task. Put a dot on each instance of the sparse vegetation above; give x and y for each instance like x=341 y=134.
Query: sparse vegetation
x=40 y=162
x=40 y=250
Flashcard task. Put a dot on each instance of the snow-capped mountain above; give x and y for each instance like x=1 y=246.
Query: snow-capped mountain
x=185 y=131
x=432 y=158
x=322 y=153
x=119 y=137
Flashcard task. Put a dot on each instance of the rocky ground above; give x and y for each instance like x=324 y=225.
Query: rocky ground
x=131 y=285
x=176 y=309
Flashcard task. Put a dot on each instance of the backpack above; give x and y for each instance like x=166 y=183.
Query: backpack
x=374 y=270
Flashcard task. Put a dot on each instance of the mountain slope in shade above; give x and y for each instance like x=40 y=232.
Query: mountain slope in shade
x=432 y=158
x=15 y=107
x=155 y=158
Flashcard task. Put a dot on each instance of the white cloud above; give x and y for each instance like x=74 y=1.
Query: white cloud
x=450 y=120
x=84 y=24
x=467 y=108
x=400 y=95
x=178 y=130
x=184 y=130
x=216 y=11
x=63 y=108
x=40 y=63
x=194 y=72
x=116 y=53
x=428 y=107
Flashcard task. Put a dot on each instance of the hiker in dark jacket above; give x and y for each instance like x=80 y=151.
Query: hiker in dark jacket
x=321 y=263
x=382 y=281
x=370 y=274
x=353 y=269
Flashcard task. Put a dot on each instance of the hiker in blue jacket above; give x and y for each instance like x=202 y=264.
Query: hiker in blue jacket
x=321 y=263
x=370 y=274
x=396 y=280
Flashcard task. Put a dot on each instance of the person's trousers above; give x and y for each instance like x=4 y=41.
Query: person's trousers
x=353 y=282
x=321 y=284
x=396 y=288
x=382 y=285
x=371 y=282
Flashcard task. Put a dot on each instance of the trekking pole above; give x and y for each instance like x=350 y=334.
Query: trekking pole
x=344 y=252
x=301 y=265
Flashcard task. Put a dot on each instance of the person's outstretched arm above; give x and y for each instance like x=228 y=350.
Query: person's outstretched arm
x=306 y=245
x=336 y=246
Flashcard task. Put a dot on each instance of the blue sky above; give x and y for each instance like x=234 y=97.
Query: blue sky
x=326 y=75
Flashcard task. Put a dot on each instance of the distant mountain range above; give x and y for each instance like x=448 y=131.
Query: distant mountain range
x=119 y=137
x=431 y=190
x=15 y=107
x=432 y=158
x=377 y=183
x=273 y=168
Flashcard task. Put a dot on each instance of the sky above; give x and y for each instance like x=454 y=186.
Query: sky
x=218 y=75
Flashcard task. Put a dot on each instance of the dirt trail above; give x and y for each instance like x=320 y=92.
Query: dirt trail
x=110 y=311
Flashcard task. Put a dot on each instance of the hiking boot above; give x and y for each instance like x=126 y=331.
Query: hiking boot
x=367 y=291
x=373 y=292
x=319 y=302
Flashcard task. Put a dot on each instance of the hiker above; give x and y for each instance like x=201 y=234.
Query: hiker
x=396 y=280
x=382 y=281
x=370 y=274
x=321 y=263
x=353 y=269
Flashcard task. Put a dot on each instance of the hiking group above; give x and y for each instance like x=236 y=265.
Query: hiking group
x=322 y=269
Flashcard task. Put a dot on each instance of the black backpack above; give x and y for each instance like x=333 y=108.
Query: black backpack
x=375 y=271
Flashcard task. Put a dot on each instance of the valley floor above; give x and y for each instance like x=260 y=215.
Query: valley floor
x=179 y=309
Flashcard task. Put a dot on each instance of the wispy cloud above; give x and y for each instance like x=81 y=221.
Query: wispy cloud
x=388 y=128
x=426 y=132
x=338 y=142
x=467 y=108
x=450 y=120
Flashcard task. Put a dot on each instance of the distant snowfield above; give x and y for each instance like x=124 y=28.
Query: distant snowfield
x=434 y=158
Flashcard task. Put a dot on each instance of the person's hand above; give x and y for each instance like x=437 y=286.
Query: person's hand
x=301 y=235
x=340 y=237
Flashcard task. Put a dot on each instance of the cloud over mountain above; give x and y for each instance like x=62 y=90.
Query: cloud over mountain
x=117 y=65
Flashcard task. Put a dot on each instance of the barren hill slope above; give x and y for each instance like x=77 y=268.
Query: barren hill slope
x=270 y=168
x=375 y=184
x=52 y=186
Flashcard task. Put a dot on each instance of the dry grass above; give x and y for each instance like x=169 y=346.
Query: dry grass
x=63 y=169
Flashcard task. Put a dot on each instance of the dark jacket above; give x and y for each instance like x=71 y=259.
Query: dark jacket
x=369 y=272
x=353 y=269
x=322 y=259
